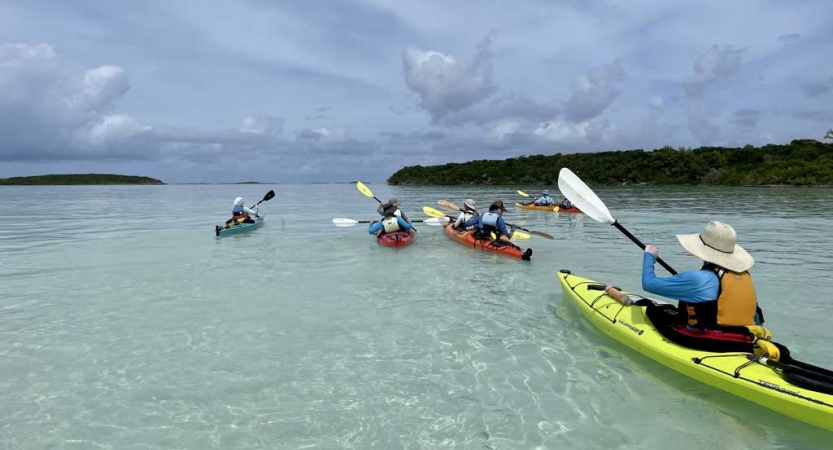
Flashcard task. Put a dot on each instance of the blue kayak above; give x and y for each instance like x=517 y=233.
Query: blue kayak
x=220 y=230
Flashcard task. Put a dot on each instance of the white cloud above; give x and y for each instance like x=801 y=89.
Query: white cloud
x=262 y=125
x=656 y=102
x=102 y=87
x=595 y=131
x=713 y=65
x=115 y=127
x=446 y=85
x=594 y=92
x=10 y=52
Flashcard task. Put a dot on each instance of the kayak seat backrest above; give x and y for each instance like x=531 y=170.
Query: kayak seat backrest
x=668 y=321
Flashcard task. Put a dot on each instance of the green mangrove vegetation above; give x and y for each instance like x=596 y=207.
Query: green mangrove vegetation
x=88 y=178
x=802 y=162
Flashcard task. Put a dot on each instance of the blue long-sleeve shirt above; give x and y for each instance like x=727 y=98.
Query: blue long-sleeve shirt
x=544 y=201
x=691 y=286
x=374 y=228
x=501 y=224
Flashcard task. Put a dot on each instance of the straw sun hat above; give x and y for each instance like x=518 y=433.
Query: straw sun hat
x=717 y=244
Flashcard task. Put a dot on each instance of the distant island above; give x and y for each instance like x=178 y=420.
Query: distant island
x=78 y=179
x=803 y=162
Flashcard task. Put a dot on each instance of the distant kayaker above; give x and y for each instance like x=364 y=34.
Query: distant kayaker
x=566 y=204
x=390 y=224
x=468 y=213
x=491 y=222
x=240 y=213
x=544 y=199
x=720 y=294
x=395 y=203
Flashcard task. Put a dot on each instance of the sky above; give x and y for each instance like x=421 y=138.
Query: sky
x=328 y=91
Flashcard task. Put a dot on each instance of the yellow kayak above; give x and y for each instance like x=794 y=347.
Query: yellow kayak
x=552 y=208
x=739 y=373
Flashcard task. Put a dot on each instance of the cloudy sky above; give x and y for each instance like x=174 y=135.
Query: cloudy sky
x=314 y=90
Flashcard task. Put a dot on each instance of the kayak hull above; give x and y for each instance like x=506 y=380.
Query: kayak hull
x=551 y=208
x=396 y=239
x=755 y=382
x=220 y=230
x=506 y=249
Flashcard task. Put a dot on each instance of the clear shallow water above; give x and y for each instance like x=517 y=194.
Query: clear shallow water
x=125 y=324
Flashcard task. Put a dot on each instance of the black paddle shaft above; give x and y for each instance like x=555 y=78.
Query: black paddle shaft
x=642 y=246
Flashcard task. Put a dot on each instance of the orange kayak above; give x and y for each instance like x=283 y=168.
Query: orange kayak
x=553 y=208
x=502 y=247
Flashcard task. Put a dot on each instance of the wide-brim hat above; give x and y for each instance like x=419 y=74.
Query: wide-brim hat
x=384 y=208
x=546 y=192
x=469 y=204
x=497 y=204
x=717 y=244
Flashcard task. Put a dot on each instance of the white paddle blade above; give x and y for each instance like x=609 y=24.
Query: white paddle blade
x=436 y=221
x=582 y=196
x=342 y=222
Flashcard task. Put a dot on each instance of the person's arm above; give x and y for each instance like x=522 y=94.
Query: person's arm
x=501 y=226
x=461 y=219
x=402 y=215
x=692 y=286
x=251 y=212
x=374 y=227
x=403 y=224
x=473 y=222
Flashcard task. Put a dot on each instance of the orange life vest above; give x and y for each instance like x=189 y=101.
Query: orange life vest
x=735 y=306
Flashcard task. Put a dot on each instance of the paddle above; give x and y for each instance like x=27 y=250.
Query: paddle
x=524 y=194
x=342 y=222
x=450 y=206
x=269 y=196
x=588 y=202
x=367 y=192
x=429 y=211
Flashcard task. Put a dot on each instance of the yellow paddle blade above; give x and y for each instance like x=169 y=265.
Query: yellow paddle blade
x=523 y=194
x=494 y=236
x=556 y=209
x=447 y=205
x=520 y=235
x=429 y=211
x=364 y=190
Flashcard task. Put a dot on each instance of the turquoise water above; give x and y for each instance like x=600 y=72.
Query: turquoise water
x=125 y=324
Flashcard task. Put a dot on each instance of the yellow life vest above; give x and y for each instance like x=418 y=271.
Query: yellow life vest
x=735 y=306
x=391 y=225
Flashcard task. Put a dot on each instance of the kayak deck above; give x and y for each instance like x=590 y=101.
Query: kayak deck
x=505 y=248
x=396 y=239
x=731 y=372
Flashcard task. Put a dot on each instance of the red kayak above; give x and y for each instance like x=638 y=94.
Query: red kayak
x=396 y=239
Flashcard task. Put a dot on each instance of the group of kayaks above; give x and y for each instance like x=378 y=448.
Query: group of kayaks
x=749 y=366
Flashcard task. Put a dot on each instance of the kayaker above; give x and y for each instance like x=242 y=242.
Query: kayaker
x=240 y=213
x=393 y=201
x=544 y=199
x=390 y=224
x=720 y=294
x=468 y=213
x=565 y=204
x=491 y=222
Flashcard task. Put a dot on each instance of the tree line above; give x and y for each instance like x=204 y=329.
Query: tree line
x=802 y=162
